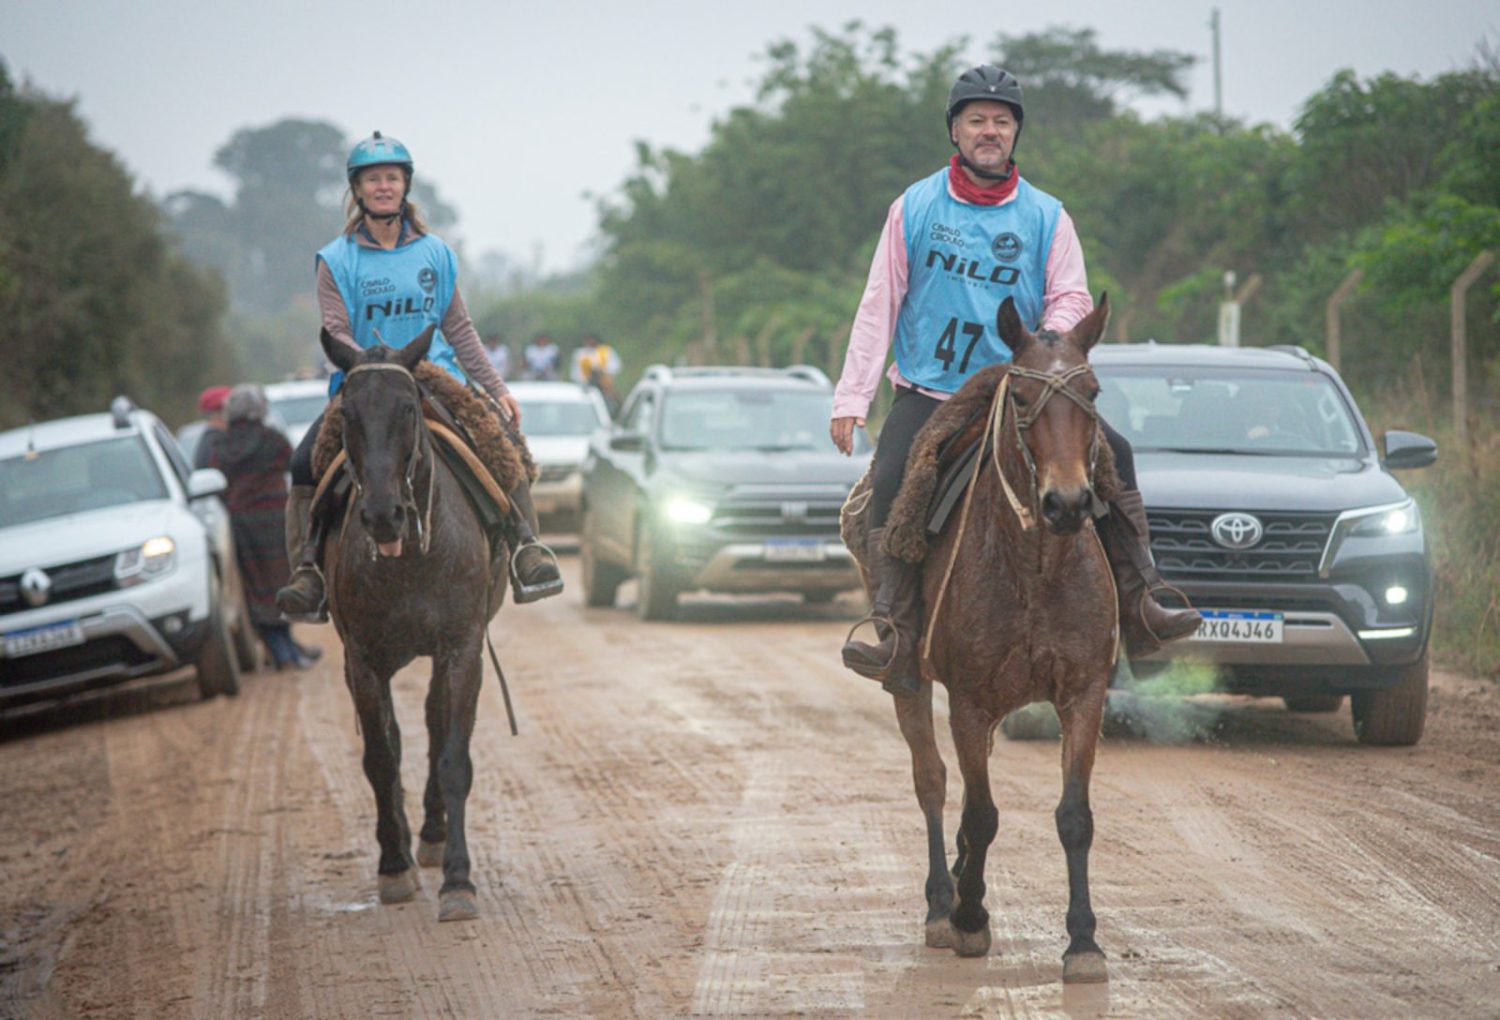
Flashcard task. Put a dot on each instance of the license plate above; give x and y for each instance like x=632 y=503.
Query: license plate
x=1239 y=627
x=795 y=550
x=43 y=639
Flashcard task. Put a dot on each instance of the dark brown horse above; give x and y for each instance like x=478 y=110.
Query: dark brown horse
x=1020 y=608
x=410 y=574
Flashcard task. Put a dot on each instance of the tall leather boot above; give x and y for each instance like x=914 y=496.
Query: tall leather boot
x=897 y=615
x=302 y=599
x=533 y=566
x=1145 y=623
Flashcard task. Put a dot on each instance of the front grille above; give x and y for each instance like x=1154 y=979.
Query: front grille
x=1289 y=550
x=70 y=581
x=773 y=513
x=104 y=653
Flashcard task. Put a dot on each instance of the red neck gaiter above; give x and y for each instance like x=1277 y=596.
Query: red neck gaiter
x=968 y=191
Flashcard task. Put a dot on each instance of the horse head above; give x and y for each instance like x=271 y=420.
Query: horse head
x=383 y=428
x=1057 y=439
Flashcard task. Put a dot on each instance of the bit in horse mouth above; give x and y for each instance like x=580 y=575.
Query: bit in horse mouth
x=389 y=548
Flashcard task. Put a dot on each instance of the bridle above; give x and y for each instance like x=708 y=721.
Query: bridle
x=1053 y=383
x=420 y=514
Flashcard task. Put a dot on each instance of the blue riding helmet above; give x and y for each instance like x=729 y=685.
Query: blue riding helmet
x=377 y=150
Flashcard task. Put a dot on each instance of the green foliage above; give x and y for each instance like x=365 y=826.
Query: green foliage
x=93 y=300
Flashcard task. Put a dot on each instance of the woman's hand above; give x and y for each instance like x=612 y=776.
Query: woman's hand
x=841 y=430
x=510 y=411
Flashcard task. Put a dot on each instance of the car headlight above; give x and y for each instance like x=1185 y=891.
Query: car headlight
x=688 y=511
x=1397 y=520
x=146 y=562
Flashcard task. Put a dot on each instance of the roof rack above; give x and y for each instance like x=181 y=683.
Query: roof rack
x=1297 y=350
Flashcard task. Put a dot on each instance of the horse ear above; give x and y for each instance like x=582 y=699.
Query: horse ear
x=410 y=356
x=340 y=354
x=1010 y=327
x=1090 y=329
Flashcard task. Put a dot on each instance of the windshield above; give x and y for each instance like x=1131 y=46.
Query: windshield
x=1214 y=410
x=559 y=417
x=52 y=483
x=299 y=410
x=750 y=420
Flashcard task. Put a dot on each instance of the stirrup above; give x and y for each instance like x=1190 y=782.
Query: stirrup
x=318 y=615
x=534 y=592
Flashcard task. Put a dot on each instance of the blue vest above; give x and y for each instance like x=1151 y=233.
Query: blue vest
x=395 y=294
x=962 y=261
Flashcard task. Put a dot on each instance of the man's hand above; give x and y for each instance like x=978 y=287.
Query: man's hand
x=841 y=430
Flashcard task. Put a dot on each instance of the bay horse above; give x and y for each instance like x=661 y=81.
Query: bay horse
x=1021 y=607
x=410 y=573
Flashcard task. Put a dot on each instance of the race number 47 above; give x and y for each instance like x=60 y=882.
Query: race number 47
x=947 y=345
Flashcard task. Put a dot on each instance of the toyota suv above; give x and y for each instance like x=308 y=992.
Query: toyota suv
x=1272 y=507
x=721 y=479
x=116 y=561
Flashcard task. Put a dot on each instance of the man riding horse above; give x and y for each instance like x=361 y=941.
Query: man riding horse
x=955 y=245
x=383 y=281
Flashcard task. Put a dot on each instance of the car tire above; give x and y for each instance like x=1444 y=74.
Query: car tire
x=1395 y=716
x=655 y=579
x=218 y=670
x=601 y=581
x=1314 y=702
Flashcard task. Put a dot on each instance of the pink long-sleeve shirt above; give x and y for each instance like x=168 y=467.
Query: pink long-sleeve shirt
x=1065 y=300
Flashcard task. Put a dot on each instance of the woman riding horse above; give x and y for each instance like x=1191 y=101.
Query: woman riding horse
x=955 y=245
x=382 y=281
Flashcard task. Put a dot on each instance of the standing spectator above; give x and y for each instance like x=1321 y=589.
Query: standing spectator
x=254 y=458
x=541 y=357
x=596 y=364
x=211 y=407
x=499 y=353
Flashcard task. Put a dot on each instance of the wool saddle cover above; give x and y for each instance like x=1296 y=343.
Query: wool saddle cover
x=446 y=400
x=935 y=469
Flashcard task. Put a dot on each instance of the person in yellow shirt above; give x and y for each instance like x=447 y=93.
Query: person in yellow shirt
x=596 y=364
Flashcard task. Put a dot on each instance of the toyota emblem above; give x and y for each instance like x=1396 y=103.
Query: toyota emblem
x=35 y=586
x=1237 y=530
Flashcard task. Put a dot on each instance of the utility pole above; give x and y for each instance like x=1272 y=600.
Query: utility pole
x=1213 y=23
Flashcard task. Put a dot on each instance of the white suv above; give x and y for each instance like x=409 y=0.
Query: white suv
x=116 y=560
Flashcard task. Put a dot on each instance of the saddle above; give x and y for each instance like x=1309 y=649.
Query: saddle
x=486 y=457
x=941 y=463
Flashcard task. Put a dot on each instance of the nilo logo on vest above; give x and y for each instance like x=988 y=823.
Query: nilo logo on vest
x=397 y=307
x=971 y=268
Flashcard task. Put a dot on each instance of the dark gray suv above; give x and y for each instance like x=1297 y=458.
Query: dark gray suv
x=1273 y=508
x=721 y=479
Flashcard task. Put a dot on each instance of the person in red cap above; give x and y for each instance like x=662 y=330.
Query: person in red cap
x=211 y=406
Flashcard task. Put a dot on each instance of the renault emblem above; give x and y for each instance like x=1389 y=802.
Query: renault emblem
x=35 y=587
x=1236 y=530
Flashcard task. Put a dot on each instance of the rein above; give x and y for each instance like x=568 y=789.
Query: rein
x=422 y=516
x=1052 y=383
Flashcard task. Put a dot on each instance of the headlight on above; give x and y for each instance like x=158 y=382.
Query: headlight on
x=146 y=562
x=1399 y=520
x=688 y=511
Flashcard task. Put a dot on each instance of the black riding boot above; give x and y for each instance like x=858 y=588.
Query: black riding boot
x=302 y=599
x=897 y=615
x=533 y=567
x=1145 y=624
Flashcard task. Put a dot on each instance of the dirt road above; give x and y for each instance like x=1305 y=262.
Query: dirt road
x=710 y=817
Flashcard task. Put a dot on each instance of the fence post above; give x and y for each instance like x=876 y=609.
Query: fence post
x=1461 y=344
x=1331 y=315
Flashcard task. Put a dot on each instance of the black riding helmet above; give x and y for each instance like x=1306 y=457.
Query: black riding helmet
x=986 y=82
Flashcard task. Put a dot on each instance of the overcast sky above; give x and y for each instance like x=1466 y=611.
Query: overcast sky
x=515 y=110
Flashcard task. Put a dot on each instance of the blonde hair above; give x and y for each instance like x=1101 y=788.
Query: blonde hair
x=410 y=210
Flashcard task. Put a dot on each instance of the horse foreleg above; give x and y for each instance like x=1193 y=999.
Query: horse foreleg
x=931 y=781
x=434 y=820
x=1080 y=719
x=459 y=667
x=382 y=762
x=979 y=821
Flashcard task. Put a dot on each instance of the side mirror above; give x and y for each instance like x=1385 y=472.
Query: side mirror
x=1408 y=450
x=206 y=482
x=627 y=442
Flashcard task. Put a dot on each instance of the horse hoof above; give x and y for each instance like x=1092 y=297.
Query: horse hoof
x=458 y=905
x=430 y=855
x=1084 y=968
x=939 y=934
x=971 y=943
x=400 y=887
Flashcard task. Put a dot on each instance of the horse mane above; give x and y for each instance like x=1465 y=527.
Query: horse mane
x=906 y=524
x=504 y=452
